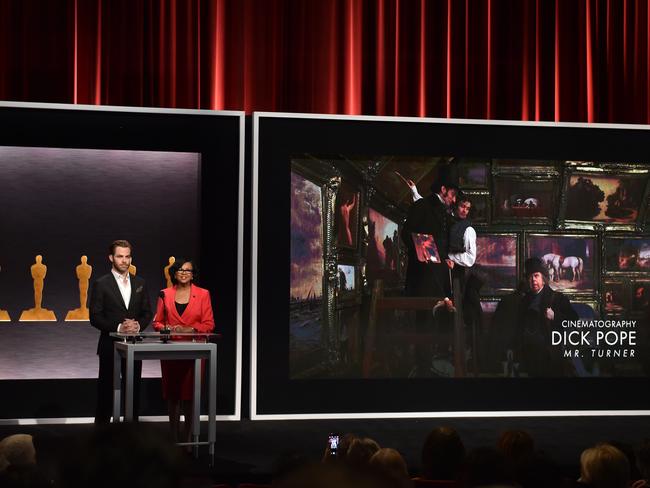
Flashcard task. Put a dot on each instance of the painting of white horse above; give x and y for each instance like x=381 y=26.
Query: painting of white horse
x=576 y=264
x=568 y=258
x=552 y=262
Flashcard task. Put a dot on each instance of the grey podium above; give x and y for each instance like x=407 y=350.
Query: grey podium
x=154 y=346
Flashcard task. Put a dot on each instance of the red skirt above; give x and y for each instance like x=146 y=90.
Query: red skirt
x=178 y=378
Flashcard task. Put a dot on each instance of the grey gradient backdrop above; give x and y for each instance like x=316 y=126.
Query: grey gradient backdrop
x=63 y=203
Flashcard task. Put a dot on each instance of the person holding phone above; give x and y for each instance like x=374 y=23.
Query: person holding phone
x=184 y=307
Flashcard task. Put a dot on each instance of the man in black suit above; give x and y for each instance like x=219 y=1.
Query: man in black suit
x=119 y=302
x=430 y=215
x=541 y=311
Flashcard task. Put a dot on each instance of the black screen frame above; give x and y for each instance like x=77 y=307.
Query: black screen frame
x=279 y=137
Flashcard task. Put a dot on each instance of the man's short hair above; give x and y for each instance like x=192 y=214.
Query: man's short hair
x=119 y=243
x=443 y=454
x=461 y=197
x=437 y=185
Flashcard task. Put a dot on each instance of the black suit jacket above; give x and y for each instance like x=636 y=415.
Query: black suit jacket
x=107 y=309
x=534 y=348
x=427 y=216
x=554 y=300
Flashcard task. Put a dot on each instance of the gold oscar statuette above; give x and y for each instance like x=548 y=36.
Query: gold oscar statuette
x=132 y=269
x=38 y=313
x=83 y=270
x=4 y=315
x=172 y=260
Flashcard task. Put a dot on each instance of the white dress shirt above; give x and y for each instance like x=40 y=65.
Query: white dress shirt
x=125 y=290
x=123 y=286
x=415 y=194
x=468 y=257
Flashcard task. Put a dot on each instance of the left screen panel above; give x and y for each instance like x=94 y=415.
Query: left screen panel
x=63 y=204
x=72 y=180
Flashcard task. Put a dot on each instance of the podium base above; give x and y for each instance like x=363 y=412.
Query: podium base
x=4 y=316
x=77 y=315
x=37 y=315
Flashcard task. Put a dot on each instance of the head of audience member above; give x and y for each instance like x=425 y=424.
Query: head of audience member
x=628 y=450
x=536 y=274
x=518 y=447
x=183 y=271
x=344 y=445
x=124 y=454
x=17 y=450
x=18 y=464
x=389 y=463
x=446 y=191
x=485 y=466
x=643 y=460
x=604 y=466
x=443 y=454
x=463 y=205
x=516 y=444
x=360 y=451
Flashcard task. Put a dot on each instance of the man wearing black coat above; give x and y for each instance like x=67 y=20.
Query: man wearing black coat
x=119 y=302
x=540 y=311
x=430 y=215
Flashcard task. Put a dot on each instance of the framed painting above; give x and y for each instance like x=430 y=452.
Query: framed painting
x=348 y=202
x=496 y=256
x=383 y=251
x=480 y=211
x=473 y=174
x=641 y=297
x=570 y=260
x=312 y=286
x=615 y=298
x=522 y=199
x=347 y=284
x=606 y=195
x=306 y=251
x=628 y=254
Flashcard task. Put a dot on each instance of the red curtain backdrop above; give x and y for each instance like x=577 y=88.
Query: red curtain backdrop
x=556 y=60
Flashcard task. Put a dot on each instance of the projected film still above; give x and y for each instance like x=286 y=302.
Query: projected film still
x=446 y=267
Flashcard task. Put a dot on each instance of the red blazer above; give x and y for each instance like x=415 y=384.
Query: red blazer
x=198 y=313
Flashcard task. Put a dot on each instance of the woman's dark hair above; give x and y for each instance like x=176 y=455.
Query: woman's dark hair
x=178 y=264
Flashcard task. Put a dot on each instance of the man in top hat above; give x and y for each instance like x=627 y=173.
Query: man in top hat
x=430 y=277
x=541 y=310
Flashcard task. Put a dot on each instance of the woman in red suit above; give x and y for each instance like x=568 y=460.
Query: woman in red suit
x=182 y=308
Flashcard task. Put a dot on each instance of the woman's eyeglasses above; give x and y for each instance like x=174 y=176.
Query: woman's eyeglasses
x=185 y=271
